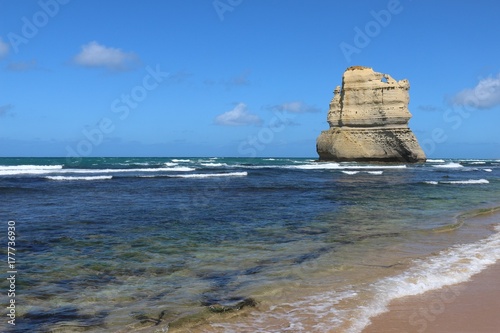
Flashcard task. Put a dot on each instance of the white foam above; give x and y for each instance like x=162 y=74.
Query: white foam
x=171 y=164
x=470 y=181
x=431 y=182
x=214 y=164
x=435 y=161
x=337 y=166
x=375 y=172
x=350 y=172
x=478 y=162
x=167 y=169
x=455 y=265
x=487 y=170
x=209 y=175
x=324 y=312
x=451 y=165
x=78 y=178
x=9 y=170
x=175 y=160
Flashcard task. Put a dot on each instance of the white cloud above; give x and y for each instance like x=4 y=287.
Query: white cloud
x=4 y=48
x=94 y=54
x=485 y=95
x=238 y=116
x=295 y=107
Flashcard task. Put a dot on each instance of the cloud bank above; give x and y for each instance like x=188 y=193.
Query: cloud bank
x=94 y=54
x=294 y=107
x=485 y=95
x=239 y=116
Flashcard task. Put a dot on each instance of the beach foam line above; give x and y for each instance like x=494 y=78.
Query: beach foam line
x=322 y=312
x=209 y=175
x=59 y=178
x=455 y=265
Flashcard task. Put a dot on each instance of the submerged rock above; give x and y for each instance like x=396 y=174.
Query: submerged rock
x=368 y=120
x=232 y=305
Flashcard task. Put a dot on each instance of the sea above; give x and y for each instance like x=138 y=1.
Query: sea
x=257 y=245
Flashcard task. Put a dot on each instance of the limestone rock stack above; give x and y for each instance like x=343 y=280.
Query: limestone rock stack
x=368 y=120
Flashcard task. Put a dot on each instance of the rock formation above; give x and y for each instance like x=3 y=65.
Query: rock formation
x=368 y=120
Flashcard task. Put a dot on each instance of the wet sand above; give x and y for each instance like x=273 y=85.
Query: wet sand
x=469 y=307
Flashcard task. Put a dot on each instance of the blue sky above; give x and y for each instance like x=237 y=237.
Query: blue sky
x=237 y=77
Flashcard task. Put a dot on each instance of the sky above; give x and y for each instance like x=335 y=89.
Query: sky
x=237 y=78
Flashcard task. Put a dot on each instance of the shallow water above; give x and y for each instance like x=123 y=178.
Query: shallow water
x=122 y=244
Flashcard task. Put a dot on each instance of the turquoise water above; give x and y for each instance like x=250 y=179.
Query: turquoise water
x=150 y=244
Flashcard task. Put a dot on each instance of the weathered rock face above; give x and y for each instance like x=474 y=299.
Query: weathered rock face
x=368 y=120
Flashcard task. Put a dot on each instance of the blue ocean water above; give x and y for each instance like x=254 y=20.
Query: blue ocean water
x=189 y=244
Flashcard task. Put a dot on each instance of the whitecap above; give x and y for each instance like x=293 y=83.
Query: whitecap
x=451 y=165
x=214 y=164
x=435 y=161
x=327 y=166
x=350 y=172
x=79 y=178
x=375 y=172
x=487 y=170
x=210 y=175
x=431 y=182
x=465 y=182
x=9 y=170
x=94 y=171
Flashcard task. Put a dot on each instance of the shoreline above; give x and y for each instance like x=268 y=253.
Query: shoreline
x=468 y=307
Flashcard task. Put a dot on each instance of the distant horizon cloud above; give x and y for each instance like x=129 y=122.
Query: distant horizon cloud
x=294 y=107
x=429 y=108
x=97 y=55
x=239 y=80
x=4 y=48
x=22 y=66
x=238 y=116
x=485 y=95
x=4 y=109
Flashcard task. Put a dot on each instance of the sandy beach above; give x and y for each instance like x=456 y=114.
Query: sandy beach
x=470 y=307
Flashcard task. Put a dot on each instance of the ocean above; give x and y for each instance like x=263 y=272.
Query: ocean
x=235 y=244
